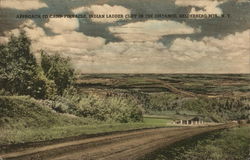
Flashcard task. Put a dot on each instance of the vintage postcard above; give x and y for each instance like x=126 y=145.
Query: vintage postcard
x=124 y=79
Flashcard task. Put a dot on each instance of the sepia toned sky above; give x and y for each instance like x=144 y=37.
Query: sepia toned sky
x=137 y=45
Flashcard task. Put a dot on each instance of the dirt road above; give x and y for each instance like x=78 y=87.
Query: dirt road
x=119 y=146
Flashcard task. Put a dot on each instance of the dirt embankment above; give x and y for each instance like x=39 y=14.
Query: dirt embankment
x=120 y=146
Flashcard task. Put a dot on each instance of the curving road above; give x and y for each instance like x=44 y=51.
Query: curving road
x=119 y=146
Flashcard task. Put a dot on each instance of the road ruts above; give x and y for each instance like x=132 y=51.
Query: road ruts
x=123 y=146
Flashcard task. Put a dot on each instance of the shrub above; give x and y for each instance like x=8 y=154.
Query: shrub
x=59 y=70
x=46 y=89
x=116 y=108
x=26 y=112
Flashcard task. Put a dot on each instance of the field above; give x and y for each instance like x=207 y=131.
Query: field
x=196 y=84
x=217 y=98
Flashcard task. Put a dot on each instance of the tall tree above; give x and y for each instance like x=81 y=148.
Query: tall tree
x=19 y=71
x=18 y=65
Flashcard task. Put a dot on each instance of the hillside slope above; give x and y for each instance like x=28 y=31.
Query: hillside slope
x=26 y=112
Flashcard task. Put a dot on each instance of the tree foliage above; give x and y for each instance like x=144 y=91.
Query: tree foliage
x=59 y=70
x=19 y=72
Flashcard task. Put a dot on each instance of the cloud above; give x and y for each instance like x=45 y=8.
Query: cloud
x=62 y=25
x=70 y=42
x=209 y=55
x=206 y=6
x=22 y=4
x=228 y=48
x=151 y=30
x=33 y=32
x=229 y=54
x=103 y=10
x=124 y=57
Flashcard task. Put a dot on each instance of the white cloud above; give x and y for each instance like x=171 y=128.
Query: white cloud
x=209 y=55
x=62 y=25
x=103 y=10
x=207 y=6
x=151 y=30
x=22 y=4
x=229 y=54
x=188 y=50
x=70 y=42
x=197 y=3
x=119 y=57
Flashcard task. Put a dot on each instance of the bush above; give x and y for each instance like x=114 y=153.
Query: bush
x=59 y=70
x=46 y=89
x=3 y=92
x=216 y=109
x=116 y=108
x=64 y=105
x=111 y=109
x=26 y=112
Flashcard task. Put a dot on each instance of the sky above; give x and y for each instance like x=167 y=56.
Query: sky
x=137 y=44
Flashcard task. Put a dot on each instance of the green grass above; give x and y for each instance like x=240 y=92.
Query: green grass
x=23 y=119
x=170 y=116
x=18 y=112
x=13 y=136
x=231 y=144
x=157 y=121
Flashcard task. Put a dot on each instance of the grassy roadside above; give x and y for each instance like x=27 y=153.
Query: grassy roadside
x=13 y=136
x=230 y=144
x=24 y=119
